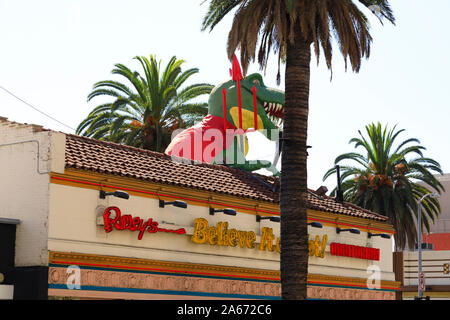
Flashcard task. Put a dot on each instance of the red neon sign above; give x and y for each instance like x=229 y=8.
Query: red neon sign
x=347 y=250
x=126 y=221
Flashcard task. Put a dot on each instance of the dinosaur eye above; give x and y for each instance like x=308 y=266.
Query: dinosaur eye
x=256 y=81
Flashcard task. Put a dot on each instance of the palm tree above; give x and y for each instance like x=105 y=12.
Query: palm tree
x=390 y=178
x=146 y=115
x=290 y=28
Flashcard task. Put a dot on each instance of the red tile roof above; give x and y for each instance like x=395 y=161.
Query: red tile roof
x=106 y=157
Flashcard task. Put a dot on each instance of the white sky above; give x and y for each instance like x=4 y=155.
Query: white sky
x=52 y=52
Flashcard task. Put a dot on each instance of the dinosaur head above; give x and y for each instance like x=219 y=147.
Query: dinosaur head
x=270 y=102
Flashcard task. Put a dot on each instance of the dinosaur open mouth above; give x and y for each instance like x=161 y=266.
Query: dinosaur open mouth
x=274 y=109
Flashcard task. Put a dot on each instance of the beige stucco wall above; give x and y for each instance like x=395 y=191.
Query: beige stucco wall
x=442 y=225
x=73 y=227
x=432 y=267
x=24 y=187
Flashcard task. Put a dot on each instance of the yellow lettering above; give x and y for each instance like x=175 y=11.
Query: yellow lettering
x=241 y=236
x=251 y=238
x=222 y=233
x=324 y=245
x=222 y=236
x=266 y=239
x=219 y=234
x=317 y=247
x=310 y=247
x=212 y=236
x=232 y=234
x=225 y=234
x=200 y=236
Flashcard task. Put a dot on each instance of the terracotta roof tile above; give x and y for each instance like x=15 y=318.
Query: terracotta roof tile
x=106 y=157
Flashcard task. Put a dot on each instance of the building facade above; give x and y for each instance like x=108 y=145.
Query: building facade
x=435 y=269
x=435 y=256
x=439 y=235
x=98 y=220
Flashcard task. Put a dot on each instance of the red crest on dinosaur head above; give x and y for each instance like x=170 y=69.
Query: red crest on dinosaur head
x=235 y=71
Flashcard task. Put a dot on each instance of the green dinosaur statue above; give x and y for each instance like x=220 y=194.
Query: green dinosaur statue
x=232 y=149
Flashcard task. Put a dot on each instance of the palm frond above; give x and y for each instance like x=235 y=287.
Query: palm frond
x=390 y=182
x=140 y=112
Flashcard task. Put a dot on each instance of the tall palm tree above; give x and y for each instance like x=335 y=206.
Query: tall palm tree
x=389 y=178
x=290 y=28
x=146 y=114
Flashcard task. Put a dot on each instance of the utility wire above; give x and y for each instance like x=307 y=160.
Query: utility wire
x=36 y=109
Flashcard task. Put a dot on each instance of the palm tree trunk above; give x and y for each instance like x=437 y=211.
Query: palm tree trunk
x=294 y=239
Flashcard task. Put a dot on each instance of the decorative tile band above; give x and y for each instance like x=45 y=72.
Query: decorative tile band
x=113 y=280
x=157 y=266
x=200 y=295
x=347 y=293
x=126 y=282
x=141 y=277
x=168 y=272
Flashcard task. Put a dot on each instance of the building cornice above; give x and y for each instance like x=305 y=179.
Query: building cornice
x=101 y=181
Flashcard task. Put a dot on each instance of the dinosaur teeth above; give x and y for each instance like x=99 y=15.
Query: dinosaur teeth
x=274 y=110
